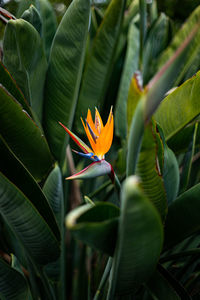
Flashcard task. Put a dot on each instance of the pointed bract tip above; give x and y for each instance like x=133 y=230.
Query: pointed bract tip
x=96 y=169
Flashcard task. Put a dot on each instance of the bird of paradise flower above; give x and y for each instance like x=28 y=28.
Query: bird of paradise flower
x=100 y=138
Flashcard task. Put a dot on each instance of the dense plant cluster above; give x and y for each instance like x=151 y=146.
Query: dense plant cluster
x=135 y=233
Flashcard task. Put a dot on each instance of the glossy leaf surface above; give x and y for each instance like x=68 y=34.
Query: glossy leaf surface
x=170 y=174
x=135 y=137
x=49 y=23
x=15 y=171
x=64 y=73
x=100 y=62
x=140 y=237
x=27 y=224
x=13 y=285
x=32 y=16
x=191 y=52
x=187 y=162
x=135 y=94
x=156 y=42
x=10 y=84
x=164 y=78
x=47 y=19
x=149 y=168
x=23 y=136
x=53 y=190
x=179 y=107
x=130 y=66
x=170 y=169
x=27 y=65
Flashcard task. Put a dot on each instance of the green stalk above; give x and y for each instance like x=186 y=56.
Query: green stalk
x=100 y=189
x=103 y=279
x=63 y=251
x=49 y=292
x=35 y=293
x=36 y=269
x=117 y=186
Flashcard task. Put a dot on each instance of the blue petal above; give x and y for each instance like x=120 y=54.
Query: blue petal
x=87 y=155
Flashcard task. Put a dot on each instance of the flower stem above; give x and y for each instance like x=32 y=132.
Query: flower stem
x=117 y=186
x=103 y=279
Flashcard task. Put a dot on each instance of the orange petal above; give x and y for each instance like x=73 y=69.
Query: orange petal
x=98 y=121
x=104 y=142
x=91 y=123
x=92 y=143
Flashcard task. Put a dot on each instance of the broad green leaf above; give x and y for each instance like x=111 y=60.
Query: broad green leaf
x=32 y=16
x=180 y=141
x=153 y=12
x=193 y=66
x=64 y=73
x=14 y=170
x=134 y=96
x=135 y=137
x=130 y=66
x=155 y=43
x=180 y=107
x=149 y=169
x=28 y=64
x=28 y=225
x=93 y=29
x=164 y=78
x=187 y=162
x=23 y=136
x=95 y=225
x=53 y=190
x=170 y=170
x=13 y=285
x=14 y=245
x=183 y=217
x=170 y=174
x=49 y=23
x=178 y=40
x=9 y=83
x=22 y=6
x=99 y=65
x=140 y=237
x=131 y=12
x=48 y=19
